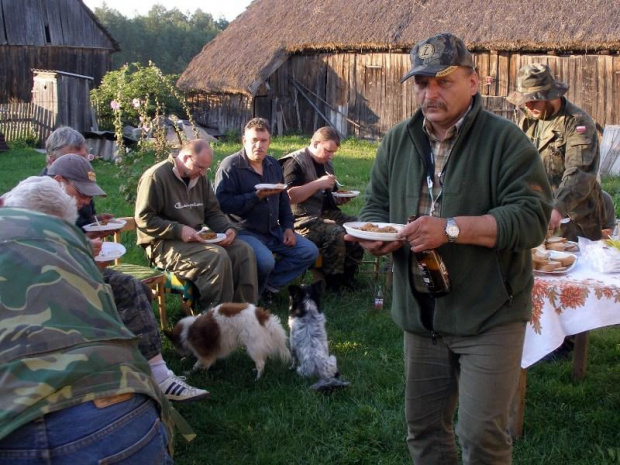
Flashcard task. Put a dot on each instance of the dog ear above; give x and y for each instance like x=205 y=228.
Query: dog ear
x=294 y=292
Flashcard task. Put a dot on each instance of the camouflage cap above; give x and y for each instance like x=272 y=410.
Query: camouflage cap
x=79 y=171
x=438 y=56
x=535 y=82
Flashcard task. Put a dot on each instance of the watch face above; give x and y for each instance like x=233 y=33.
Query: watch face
x=452 y=230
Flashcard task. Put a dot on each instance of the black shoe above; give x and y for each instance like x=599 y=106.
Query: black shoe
x=333 y=282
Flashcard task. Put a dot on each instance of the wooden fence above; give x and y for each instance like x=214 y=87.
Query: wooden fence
x=25 y=121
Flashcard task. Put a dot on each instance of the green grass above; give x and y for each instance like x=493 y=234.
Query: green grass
x=278 y=420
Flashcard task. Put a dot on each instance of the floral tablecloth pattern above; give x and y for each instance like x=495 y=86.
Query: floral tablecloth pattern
x=563 y=305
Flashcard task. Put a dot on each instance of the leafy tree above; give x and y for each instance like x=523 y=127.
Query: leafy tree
x=169 y=38
x=145 y=83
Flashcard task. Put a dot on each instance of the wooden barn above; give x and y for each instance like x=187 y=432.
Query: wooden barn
x=300 y=64
x=62 y=35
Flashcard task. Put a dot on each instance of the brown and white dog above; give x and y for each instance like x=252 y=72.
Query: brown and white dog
x=219 y=331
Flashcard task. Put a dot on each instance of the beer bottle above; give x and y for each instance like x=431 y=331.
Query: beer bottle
x=433 y=269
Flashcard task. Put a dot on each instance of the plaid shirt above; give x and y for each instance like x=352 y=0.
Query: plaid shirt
x=440 y=152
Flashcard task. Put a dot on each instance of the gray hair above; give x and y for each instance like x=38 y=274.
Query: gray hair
x=42 y=194
x=62 y=141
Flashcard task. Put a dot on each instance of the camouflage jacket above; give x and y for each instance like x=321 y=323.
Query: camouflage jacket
x=569 y=147
x=61 y=340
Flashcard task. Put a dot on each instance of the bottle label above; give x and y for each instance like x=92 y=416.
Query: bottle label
x=378 y=303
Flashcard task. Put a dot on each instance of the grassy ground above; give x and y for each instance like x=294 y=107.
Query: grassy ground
x=278 y=420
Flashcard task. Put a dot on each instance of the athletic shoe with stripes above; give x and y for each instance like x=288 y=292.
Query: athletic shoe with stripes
x=175 y=388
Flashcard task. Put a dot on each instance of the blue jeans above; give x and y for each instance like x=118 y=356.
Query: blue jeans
x=290 y=263
x=128 y=432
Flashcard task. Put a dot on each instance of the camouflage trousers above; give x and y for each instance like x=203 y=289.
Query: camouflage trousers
x=133 y=303
x=339 y=256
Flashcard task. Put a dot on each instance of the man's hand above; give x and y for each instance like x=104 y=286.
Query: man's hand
x=289 y=238
x=425 y=233
x=327 y=181
x=376 y=248
x=189 y=234
x=554 y=222
x=231 y=234
x=342 y=200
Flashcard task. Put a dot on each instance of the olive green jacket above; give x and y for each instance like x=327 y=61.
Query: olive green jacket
x=569 y=147
x=493 y=169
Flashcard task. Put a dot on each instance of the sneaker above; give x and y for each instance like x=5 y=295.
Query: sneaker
x=175 y=388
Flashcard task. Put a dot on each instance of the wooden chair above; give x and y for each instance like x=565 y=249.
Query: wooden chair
x=160 y=281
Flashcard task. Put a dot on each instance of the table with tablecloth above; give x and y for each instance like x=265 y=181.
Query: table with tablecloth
x=565 y=305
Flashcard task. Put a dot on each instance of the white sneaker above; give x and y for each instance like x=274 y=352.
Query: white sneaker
x=175 y=388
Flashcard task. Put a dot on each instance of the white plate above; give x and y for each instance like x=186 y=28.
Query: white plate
x=346 y=194
x=352 y=228
x=219 y=238
x=553 y=255
x=110 y=251
x=112 y=225
x=270 y=186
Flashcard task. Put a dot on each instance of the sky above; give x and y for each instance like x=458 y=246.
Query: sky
x=229 y=9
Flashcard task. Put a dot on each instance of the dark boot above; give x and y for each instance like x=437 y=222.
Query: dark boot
x=333 y=282
x=348 y=279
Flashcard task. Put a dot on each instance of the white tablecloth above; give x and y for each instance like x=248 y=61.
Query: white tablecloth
x=569 y=304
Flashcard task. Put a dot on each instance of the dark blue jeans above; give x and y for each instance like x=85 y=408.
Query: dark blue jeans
x=128 y=432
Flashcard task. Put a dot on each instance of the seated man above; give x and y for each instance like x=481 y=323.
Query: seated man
x=131 y=296
x=63 y=141
x=175 y=199
x=264 y=215
x=69 y=366
x=309 y=175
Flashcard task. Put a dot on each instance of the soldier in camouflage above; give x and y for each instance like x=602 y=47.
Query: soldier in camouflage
x=567 y=141
x=309 y=175
x=65 y=355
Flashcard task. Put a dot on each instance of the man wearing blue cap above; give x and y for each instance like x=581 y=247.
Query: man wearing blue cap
x=478 y=191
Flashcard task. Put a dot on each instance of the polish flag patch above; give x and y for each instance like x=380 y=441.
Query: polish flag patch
x=580 y=129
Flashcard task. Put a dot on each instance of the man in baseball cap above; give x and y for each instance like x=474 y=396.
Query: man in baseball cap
x=480 y=196
x=77 y=174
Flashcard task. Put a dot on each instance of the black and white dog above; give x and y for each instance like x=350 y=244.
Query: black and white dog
x=308 y=337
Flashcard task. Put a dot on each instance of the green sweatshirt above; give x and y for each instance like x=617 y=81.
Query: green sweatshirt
x=165 y=204
x=493 y=169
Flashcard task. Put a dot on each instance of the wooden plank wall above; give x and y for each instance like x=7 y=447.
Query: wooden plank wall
x=51 y=23
x=224 y=112
x=365 y=88
x=16 y=63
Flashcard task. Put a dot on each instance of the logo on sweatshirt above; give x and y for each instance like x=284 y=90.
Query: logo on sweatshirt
x=181 y=206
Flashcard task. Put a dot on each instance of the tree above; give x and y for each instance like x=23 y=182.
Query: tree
x=169 y=38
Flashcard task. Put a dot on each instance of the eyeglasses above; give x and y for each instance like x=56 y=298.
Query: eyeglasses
x=202 y=169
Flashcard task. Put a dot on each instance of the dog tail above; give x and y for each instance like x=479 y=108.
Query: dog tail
x=277 y=339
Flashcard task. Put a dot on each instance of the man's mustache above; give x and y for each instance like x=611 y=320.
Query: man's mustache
x=433 y=104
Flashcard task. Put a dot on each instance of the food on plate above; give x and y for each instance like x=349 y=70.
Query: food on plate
x=560 y=244
x=544 y=260
x=371 y=227
x=342 y=191
x=207 y=235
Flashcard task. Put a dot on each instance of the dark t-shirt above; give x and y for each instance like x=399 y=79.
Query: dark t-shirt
x=295 y=176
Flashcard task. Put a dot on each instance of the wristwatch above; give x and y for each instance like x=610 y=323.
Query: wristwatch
x=452 y=230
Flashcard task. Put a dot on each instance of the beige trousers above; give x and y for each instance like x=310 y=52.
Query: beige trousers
x=221 y=274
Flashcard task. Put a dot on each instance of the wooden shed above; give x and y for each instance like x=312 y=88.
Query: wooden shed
x=301 y=63
x=59 y=35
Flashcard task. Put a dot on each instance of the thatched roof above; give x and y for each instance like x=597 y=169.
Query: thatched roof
x=263 y=37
